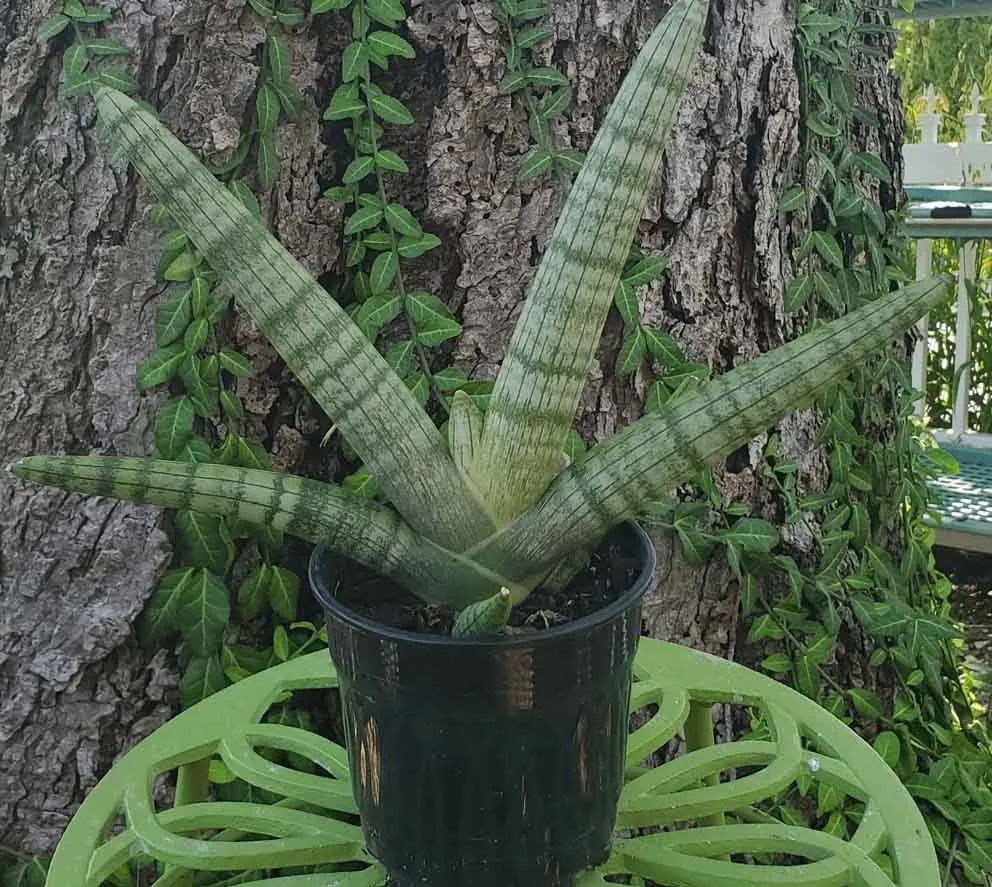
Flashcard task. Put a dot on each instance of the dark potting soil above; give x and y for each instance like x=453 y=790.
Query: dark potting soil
x=612 y=569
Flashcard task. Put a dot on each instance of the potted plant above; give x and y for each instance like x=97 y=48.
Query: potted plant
x=492 y=754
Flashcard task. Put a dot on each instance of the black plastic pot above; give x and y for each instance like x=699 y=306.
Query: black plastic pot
x=487 y=763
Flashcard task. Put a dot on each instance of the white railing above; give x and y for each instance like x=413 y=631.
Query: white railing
x=950 y=173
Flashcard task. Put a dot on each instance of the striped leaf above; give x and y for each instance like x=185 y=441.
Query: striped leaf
x=553 y=345
x=323 y=347
x=315 y=511
x=620 y=477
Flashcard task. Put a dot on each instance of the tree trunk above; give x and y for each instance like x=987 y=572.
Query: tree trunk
x=77 y=275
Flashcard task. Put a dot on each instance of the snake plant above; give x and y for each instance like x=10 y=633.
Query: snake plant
x=477 y=521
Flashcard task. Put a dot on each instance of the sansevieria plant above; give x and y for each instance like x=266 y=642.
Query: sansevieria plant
x=477 y=521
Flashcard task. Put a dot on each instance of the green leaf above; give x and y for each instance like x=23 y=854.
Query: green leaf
x=203 y=677
x=413 y=247
x=626 y=302
x=633 y=350
x=794 y=198
x=95 y=14
x=236 y=364
x=826 y=245
x=204 y=611
x=420 y=385
x=437 y=330
x=383 y=273
x=266 y=108
x=206 y=540
x=569 y=160
x=777 y=663
x=159 y=619
x=362 y=483
x=196 y=449
x=280 y=643
x=555 y=103
x=425 y=308
x=487 y=616
x=887 y=745
x=386 y=12
x=202 y=391
x=546 y=78
x=388 y=44
x=662 y=347
x=277 y=58
x=645 y=271
x=390 y=161
x=268 y=161
x=284 y=592
x=530 y=37
x=174 y=426
x=449 y=379
x=196 y=335
x=231 y=405
x=388 y=109
x=263 y=7
x=377 y=311
x=172 y=316
x=363 y=219
x=400 y=357
x=74 y=9
x=828 y=798
x=535 y=163
x=575 y=446
x=52 y=27
x=119 y=79
x=354 y=62
x=798 y=291
x=866 y=702
x=345 y=103
x=752 y=534
x=317 y=7
x=872 y=165
x=160 y=366
x=512 y=82
x=182 y=267
x=402 y=221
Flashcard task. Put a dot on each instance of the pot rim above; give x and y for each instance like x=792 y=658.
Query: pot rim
x=638 y=586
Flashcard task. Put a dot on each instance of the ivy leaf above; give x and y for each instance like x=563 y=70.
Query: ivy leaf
x=284 y=592
x=797 y=293
x=413 y=247
x=172 y=316
x=263 y=7
x=887 y=746
x=512 y=82
x=160 y=366
x=386 y=12
x=402 y=221
x=535 y=163
x=449 y=379
x=752 y=534
x=206 y=540
x=424 y=308
x=437 y=330
x=388 y=109
x=530 y=37
x=354 y=62
x=231 y=405
x=204 y=611
x=390 y=161
x=808 y=678
x=480 y=392
x=383 y=273
x=626 y=301
x=266 y=108
x=633 y=350
x=357 y=170
x=362 y=483
x=379 y=310
x=202 y=392
x=196 y=335
x=182 y=267
x=159 y=619
x=828 y=798
x=873 y=166
x=866 y=703
x=400 y=357
x=203 y=677
x=317 y=7
x=646 y=271
x=119 y=79
x=546 y=78
x=345 y=103
x=196 y=449
x=826 y=245
x=569 y=160
x=174 y=426
x=236 y=364
x=556 y=102
x=777 y=663
x=52 y=27
x=363 y=219
x=662 y=346
x=575 y=446
x=794 y=198
x=268 y=161
x=387 y=44
x=420 y=386
x=277 y=57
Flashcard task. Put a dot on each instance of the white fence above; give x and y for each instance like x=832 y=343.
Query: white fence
x=949 y=183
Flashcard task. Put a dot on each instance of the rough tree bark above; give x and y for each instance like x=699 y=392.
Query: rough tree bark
x=77 y=257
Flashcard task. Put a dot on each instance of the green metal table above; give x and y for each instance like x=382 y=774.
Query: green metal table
x=303 y=832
